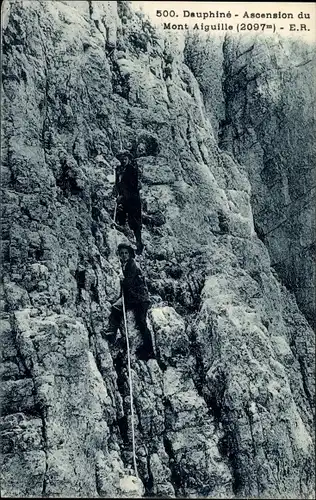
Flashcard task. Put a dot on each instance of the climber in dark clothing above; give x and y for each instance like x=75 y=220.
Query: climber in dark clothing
x=127 y=187
x=136 y=298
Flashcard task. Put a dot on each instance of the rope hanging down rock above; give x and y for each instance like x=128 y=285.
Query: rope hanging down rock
x=130 y=386
x=130 y=380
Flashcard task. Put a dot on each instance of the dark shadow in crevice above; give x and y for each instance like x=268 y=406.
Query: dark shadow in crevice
x=150 y=481
x=176 y=479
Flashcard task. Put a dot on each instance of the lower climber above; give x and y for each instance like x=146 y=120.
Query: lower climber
x=136 y=298
x=127 y=187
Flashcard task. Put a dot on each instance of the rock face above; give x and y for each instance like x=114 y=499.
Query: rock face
x=226 y=409
x=269 y=127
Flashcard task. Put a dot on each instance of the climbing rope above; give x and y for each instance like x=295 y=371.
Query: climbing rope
x=130 y=380
x=128 y=354
x=130 y=386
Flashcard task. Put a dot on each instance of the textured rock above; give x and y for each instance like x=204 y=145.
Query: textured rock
x=269 y=126
x=226 y=409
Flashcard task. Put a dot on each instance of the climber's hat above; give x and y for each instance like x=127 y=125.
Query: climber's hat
x=123 y=154
x=127 y=247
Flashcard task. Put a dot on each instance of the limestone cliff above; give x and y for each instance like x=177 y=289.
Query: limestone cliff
x=226 y=410
x=269 y=126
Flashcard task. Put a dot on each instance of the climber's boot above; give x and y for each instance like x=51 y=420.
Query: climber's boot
x=139 y=248
x=139 y=243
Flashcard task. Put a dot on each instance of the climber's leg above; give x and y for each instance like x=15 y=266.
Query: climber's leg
x=121 y=212
x=115 y=320
x=135 y=221
x=139 y=243
x=145 y=351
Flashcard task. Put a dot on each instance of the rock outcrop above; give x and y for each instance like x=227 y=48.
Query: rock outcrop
x=226 y=409
x=269 y=127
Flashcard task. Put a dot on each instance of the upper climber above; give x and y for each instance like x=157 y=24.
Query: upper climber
x=136 y=298
x=127 y=189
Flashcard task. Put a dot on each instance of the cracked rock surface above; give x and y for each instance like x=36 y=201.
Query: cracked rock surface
x=226 y=408
x=269 y=127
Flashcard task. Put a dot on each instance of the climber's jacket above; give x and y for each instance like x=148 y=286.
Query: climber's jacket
x=127 y=182
x=133 y=284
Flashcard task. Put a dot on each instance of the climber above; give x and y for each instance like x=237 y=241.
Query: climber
x=136 y=298
x=127 y=187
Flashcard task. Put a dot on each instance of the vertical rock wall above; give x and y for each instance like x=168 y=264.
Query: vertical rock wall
x=270 y=128
x=226 y=408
